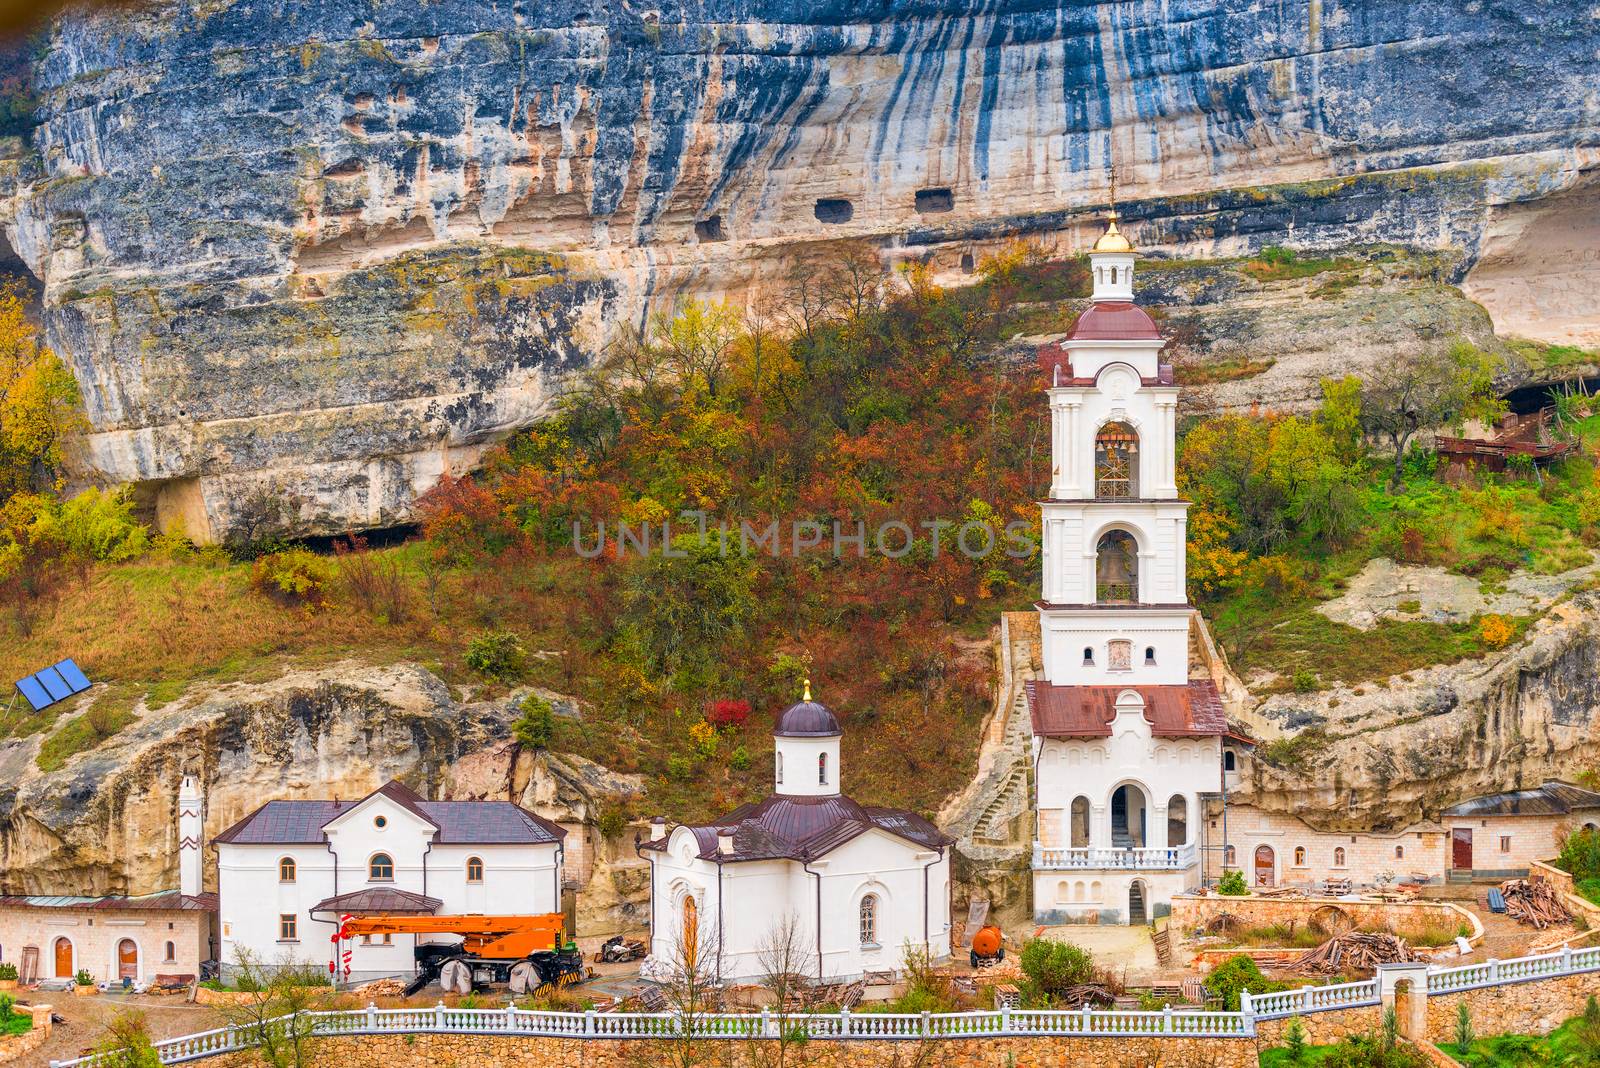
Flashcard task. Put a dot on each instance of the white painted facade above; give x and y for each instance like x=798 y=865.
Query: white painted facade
x=268 y=891
x=1117 y=817
x=738 y=903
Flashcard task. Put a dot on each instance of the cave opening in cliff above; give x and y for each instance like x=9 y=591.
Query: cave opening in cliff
x=934 y=201
x=967 y=263
x=710 y=229
x=14 y=271
x=834 y=210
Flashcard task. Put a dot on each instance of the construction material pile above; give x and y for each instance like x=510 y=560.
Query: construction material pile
x=382 y=988
x=1353 y=951
x=1534 y=902
x=1223 y=923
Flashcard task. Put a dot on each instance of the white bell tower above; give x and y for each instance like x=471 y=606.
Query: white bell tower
x=1115 y=608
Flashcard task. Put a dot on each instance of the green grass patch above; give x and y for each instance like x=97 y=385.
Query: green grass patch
x=16 y=1023
x=1278 y=264
x=1311 y=1056
x=1588 y=889
x=1196 y=373
x=109 y=713
x=1571 y=1043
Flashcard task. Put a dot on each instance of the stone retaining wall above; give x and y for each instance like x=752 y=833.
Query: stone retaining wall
x=1323 y=1028
x=1541 y=871
x=15 y=1046
x=1191 y=911
x=1531 y=1008
x=499 y=1051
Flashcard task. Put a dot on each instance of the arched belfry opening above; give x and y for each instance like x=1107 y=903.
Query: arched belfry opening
x=1116 y=462
x=1116 y=568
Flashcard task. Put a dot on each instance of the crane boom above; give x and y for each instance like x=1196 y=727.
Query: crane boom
x=501 y=937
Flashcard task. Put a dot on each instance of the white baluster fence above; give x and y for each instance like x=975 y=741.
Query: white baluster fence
x=874 y=1026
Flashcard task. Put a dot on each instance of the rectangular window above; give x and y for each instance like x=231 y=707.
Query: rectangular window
x=1505 y=843
x=377 y=940
x=288 y=928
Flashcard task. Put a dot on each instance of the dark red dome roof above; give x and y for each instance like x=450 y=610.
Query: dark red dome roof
x=1114 y=320
x=808 y=719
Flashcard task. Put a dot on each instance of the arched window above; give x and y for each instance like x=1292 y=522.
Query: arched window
x=1116 y=461
x=1229 y=761
x=1063 y=895
x=1299 y=856
x=172 y=953
x=869 y=920
x=822 y=769
x=380 y=867
x=1399 y=852
x=1116 y=568
x=1177 y=820
x=1338 y=857
x=1080 y=822
x=474 y=869
x=1094 y=890
x=1088 y=655
x=778 y=763
x=1113 y=276
x=1149 y=656
x=286 y=870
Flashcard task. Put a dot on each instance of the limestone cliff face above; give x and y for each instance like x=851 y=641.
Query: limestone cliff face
x=1399 y=752
x=327 y=249
x=106 y=822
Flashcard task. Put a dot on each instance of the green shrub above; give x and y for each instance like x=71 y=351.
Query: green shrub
x=1464 y=1035
x=1305 y=681
x=8 y=971
x=100 y=526
x=498 y=654
x=83 y=978
x=680 y=768
x=739 y=759
x=1233 y=977
x=1232 y=884
x=536 y=727
x=1580 y=855
x=293 y=576
x=1052 y=966
x=1294 y=1041
x=612 y=822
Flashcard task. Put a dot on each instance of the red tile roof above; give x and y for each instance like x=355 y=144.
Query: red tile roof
x=1114 y=320
x=1190 y=711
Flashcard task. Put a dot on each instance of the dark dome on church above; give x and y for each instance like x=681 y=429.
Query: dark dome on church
x=808 y=719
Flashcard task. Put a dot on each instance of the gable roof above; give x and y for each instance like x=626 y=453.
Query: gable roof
x=1193 y=710
x=1554 y=798
x=805 y=828
x=456 y=822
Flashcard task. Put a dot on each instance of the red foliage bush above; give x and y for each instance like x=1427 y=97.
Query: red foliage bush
x=728 y=712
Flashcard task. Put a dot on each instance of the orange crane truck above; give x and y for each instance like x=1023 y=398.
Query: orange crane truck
x=491 y=946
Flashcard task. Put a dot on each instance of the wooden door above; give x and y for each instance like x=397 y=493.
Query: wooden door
x=1265 y=868
x=1461 y=848
x=127 y=960
x=30 y=964
x=63 y=959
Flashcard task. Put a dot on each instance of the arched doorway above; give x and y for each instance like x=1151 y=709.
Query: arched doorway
x=63 y=954
x=1266 y=867
x=1080 y=822
x=1116 y=461
x=1138 y=912
x=1177 y=821
x=1129 y=814
x=128 y=960
x=1116 y=568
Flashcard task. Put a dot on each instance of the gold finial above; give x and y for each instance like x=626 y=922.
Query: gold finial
x=1113 y=240
x=807 y=697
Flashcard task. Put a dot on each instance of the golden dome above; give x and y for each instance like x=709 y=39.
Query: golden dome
x=1112 y=240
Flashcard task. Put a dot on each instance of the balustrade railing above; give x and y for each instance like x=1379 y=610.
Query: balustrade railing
x=441 y=1019
x=1056 y=858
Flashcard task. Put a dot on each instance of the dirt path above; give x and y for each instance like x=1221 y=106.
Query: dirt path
x=86 y=1019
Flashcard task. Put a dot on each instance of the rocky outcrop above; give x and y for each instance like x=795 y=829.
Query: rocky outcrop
x=1385 y=755
x=107 y=823
x=322 y=252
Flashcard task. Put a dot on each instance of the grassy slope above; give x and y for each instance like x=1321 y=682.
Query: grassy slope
x=1525 y=1051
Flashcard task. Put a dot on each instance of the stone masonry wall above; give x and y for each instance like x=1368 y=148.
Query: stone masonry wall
x=1189 y=912
x=1323 y=1028
x=1533 y=1008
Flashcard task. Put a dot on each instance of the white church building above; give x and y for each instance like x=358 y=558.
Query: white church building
x=860 y=884
x=1125 y=742
x=287 y=872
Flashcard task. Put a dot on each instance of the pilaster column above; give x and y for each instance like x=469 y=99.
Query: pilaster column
x=1156 y=829
x=1147 y=578
x=1100 y=826
x=1165 y=447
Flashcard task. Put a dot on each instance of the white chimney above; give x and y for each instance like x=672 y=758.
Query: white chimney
x=191 y=833
x=658 y=828
x=725 y=841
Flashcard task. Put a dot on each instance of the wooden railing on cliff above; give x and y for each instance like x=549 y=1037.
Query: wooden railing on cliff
x=869 y=1026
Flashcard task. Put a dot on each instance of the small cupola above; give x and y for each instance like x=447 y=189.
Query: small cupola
x=806 y=749
x=1111 y=263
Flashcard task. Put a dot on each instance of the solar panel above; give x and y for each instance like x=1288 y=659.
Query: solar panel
x=35 y=694
x=73 y=674
x=54 y=683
